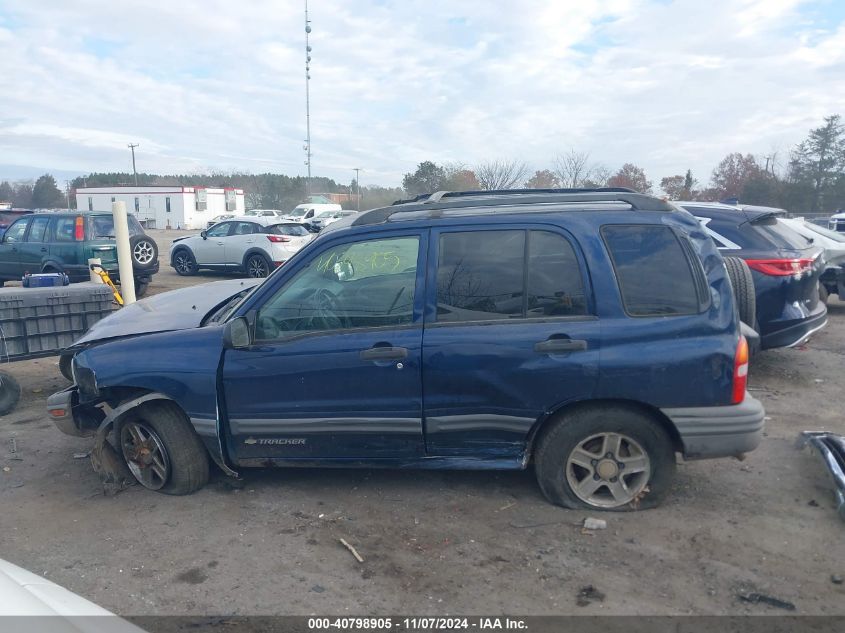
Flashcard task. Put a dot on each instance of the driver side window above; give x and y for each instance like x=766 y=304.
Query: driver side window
x=219 y=230
x=362 y=284
x=16 y=232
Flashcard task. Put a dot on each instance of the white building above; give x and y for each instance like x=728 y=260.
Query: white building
x=165 y=206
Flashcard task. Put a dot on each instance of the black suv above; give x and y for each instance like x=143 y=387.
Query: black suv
x=64 y=242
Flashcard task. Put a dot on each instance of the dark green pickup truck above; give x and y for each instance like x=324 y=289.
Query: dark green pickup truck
x=64 y=242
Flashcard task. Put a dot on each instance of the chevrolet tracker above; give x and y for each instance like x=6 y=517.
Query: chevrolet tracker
x=591 y=335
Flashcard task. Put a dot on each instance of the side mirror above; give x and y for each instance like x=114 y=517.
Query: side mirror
x=204 y=235
x=237 y=334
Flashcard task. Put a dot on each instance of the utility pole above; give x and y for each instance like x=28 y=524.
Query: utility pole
x=307 y=100
x=358 y=185
x=67 y=190
x=132 y=146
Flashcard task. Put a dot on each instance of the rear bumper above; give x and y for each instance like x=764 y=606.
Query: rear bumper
x=719 y=431
x=795 y=333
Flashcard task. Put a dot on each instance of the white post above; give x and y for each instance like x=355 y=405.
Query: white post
x=95 y=278
x=124 y=254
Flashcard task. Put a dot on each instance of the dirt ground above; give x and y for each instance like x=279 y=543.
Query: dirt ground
x=437 y=542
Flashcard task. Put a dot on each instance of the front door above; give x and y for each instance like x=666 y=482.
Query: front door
x=510 y=335
x=10 y=256
x=335 y=368
x=212 y=250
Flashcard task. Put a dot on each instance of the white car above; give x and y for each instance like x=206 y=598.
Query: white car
x=255 y=245
x=307 y=211
x=322 y=220
x=266 y=213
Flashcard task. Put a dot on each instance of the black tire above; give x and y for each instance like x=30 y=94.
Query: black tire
x=575 y=430
x=188 y=467
x=256 y=265
x=144 y=252
x=2 y=283
x=10 y=393
x=64 y=366
x=824 y=295
x=141 y=288
x=743 y=286
x=184 y=262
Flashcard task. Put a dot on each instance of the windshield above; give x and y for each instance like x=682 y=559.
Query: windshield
x=832 y=235
x=297 y=212
x=222 y=311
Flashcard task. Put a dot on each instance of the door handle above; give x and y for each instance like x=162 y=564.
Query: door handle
x=560 y=345
x=43 y=250
x=220 y=243
x=383 y=353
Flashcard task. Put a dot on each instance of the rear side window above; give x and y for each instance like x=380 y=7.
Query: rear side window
x=65 y=228
x=653 y=270
x=481 y=276
x=492 y=275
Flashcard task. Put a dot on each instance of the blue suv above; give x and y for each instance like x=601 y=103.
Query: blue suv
x=589 y=334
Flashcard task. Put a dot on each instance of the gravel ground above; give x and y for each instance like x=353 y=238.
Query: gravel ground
x=437 y=542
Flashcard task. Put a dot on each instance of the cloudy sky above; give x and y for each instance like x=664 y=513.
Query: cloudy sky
x=217 y=84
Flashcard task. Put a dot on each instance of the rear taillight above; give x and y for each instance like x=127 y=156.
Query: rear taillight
x=740 y=371
x=79 y=229
x=276 y=239
x=781 y=267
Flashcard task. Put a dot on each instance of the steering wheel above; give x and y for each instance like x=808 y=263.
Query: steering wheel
x=326 y=312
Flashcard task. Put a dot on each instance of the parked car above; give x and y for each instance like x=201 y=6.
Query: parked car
x=785 y=268
x=220 y=218
x=252 y=244
x=832 y=279
x=307 y=211
x=265 y=213
x=836 y=222
x=65 y=241
x=324 y=218
x=590 y=334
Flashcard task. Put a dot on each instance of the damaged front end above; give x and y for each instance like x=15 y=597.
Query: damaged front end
x=831 y=447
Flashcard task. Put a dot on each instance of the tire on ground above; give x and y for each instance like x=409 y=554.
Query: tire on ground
x=191 y=262
x=248 y=264
x=144 y=252
x=569 y=430
x=141 y=288
x=189 y=467
x=743 y=287
x=10 y=393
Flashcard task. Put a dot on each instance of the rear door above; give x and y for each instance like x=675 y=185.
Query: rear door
x=100 y=242
x=241 y=238
x=34 y=249
x=510 y=334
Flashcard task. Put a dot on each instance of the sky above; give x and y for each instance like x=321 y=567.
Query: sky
x=218 y=85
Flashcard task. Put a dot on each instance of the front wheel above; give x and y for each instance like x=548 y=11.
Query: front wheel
x=605 y=458
x=162 y=450
x=184 y=263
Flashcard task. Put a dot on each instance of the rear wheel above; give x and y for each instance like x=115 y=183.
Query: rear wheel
x=824 y=295
x=141 y=288
x=257 y=265
x=743 y=287
x=184 y=262
x=10 y=393
x=162 y=450
x=605 y=458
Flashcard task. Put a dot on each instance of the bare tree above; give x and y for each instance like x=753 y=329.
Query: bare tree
x=500 y=174
x=599 y=175
x=572 y=168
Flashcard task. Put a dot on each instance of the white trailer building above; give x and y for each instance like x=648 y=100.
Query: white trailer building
x=165 y=206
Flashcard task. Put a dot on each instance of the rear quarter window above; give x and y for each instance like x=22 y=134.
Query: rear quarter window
x=653 y=270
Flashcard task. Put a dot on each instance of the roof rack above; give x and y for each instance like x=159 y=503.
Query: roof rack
x=511 y=197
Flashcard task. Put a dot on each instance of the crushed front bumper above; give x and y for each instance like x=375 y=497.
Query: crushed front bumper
x=831 y=447
x=71 y=417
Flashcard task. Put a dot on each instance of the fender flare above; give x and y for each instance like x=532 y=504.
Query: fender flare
x=106 y=426
x=257 y=251
x=176 y=249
